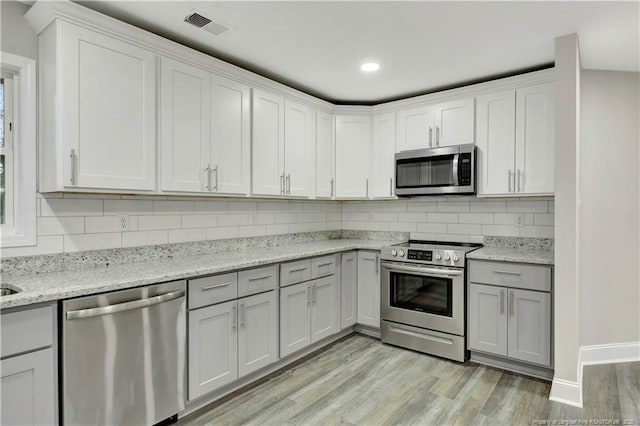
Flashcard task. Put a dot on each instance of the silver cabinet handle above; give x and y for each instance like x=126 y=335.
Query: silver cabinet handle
x=234 y=317
x=325 y=264
x=507 y=272
x=126 y=306
x=377 y=264
x=430 y=136
x=331 y=187
x=511 y=303
x=261 y=277
x=282 y=184
x=211 y=287
x=215 y=170
x=289 y=184
x=518 y=174
x=298 y=270
x=437 y=136
x=502 y=301
x=422 y=270
x=308 y=294
x=208 y=171
x=391 y=187
x=243 y=314
x=367 y=183
x=73 y=166
x=509 y=180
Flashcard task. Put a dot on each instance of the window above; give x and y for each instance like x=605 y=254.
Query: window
x=17 y=151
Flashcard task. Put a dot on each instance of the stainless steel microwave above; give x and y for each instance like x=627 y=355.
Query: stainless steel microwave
x=446 y=170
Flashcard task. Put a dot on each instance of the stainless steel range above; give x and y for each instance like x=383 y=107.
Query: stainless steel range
x=423 y=297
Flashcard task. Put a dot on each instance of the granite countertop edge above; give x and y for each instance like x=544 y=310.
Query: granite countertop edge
x=538 y=256
x=49 y=287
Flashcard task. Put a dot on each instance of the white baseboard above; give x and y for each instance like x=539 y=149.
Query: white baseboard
x=570 y=393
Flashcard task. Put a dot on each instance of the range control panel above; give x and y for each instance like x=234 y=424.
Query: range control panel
x=420 y=255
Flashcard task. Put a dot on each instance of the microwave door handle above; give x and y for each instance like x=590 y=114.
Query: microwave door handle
x=456 y=157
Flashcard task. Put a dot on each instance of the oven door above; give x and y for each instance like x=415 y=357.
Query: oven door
x=423 y=296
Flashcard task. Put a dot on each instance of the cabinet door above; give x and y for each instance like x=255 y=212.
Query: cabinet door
x=257 y=332
x=325 y=156
x=415 y=128
x=109 y=103
x=455 y=122
x=27 y=389
x=295 y=327
x=230 y=136
x=487 y=321
x=298 y=149
x=353 y=156
x=186 y=124
x=530 y=326
x=268 y=143
x=213 y=348
x=348 y=289
x=325 y=319
x=535 y=139
x=369 y=288
x=383 y=150
x=496 y=142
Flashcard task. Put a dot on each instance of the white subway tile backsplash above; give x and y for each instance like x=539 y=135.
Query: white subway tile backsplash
x=378 y=226
x=453 y=238
x=45 y=244
x=199 y=221
x=543 y=219
x=146 y=223
x=422 y=206
x=263 y=219
x=100 y=224
x=222 y=233
x=464 y=228
x=144 y=238
x=252 y=231
x=528 y=206
x=488 y=207
x=187 y=235
x=393 y=206
x=71 y=207
x=500 y=230
x=270 y=206
x=442 y=217
x=432 y=228
x=384 y=216
x=285 y=217
x=60 y=225
x=453 y=206
x=412 y=217
x=483 y=218
x=82 y=242
x=174 y=207
x=402 y=226
x=206 y=207
x=233 y=219
x=242 y=206
x=132 y=207
x=277 y=229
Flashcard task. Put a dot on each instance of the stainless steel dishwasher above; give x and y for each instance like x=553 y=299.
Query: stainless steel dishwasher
x=123 y=358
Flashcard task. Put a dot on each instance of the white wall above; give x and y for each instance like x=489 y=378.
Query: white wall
x=609 y=213
x=17 y=36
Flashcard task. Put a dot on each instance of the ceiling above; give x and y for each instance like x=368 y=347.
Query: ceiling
x=318 y=46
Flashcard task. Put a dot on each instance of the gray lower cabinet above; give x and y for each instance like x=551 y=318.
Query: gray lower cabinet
x=514 y=323
x=369 y=288
x=28 y=380
x=257 y=332
x=348 y=289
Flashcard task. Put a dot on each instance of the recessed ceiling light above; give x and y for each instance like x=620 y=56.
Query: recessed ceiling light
x=370 y=67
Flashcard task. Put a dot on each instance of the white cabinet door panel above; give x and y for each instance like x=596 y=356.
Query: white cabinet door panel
x=487 y=321
x=230 y=136
x=257 y=332
x=325 y=156
x=268 y=143
x=496 y=142
x=298 y=150
x=353 y=156
x=324 y=308
x=348 y=289
x=213 y=348
x=530 y=326
x=109 y=104
x=455 y=122
x=295 y=331
x=369 y=288
x=382 y=152
x=415 y=128
x=535 y=139
x=186 y=124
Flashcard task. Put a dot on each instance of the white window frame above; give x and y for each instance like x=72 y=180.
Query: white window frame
x=22 y=232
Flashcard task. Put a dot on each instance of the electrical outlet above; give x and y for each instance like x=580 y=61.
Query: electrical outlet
x=124 y=222
x=519 y=219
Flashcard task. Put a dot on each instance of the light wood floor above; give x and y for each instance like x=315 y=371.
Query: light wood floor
x=360 y=381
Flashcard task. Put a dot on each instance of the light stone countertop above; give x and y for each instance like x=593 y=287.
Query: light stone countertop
x=46 y=287
x=540 y=256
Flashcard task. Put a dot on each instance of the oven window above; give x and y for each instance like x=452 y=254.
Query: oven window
x=421 y=293
x=421 y=172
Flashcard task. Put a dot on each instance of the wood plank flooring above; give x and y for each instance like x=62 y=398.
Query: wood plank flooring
x=360 y=381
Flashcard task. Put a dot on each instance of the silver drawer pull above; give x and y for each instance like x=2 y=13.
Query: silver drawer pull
x=261 y=277
x=126 y=306
x=299 y=269
x=325 y=264
x=211 y=287
x=508 y=272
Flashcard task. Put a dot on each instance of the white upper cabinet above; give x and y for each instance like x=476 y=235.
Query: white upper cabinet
x=103 y=124
x=325 y=156
x=432 y=126
x=268 y=144
x=535 y=139
x=516 y=141
x=230 y=136
x=382 y=155
x=353 y=156
x=299 y=129
x=185 y=127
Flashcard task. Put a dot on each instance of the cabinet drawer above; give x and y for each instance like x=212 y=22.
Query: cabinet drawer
x=518 y=275
x=257 y=280
x=295 y=272
x=214 y=289
x=27 y=330
x=323 y=266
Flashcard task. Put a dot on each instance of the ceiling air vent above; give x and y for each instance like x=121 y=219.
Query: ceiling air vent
x=205 y=23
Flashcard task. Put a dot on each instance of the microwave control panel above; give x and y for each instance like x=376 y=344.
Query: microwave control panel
x=464 y=169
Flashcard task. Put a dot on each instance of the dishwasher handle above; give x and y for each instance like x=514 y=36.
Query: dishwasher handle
x=126 y=306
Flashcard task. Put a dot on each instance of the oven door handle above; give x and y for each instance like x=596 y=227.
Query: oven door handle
x=422 y=270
